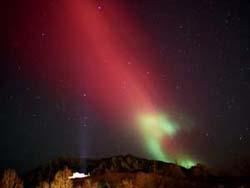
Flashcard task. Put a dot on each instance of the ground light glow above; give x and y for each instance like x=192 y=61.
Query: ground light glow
x=78 y=175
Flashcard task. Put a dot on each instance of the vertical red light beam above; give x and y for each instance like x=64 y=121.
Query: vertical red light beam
x=108 y=61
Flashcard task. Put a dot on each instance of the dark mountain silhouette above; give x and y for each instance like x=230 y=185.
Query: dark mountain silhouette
x=129 y=171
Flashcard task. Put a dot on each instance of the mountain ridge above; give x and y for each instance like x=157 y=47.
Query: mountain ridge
x=130 y=168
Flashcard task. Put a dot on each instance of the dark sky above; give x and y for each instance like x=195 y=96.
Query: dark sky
x=195 y=55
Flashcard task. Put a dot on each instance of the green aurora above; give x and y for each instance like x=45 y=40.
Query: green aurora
x=155 y=128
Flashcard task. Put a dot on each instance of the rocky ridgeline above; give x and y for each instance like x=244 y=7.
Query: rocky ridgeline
x=133 y=164
x=132 y=172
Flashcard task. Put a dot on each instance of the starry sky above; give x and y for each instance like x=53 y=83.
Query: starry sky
x=158 y=79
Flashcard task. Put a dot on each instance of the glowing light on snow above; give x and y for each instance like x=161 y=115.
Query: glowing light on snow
x=79 y=175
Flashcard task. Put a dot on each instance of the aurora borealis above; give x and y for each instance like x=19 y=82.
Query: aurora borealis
x=164 y=80
x=155 y=127
x=104 y=43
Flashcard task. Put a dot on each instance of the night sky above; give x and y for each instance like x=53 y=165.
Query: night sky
x=166 y=80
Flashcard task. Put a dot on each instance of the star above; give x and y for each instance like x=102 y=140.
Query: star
x=43 y=35
x=99 y=7
x=181 y=26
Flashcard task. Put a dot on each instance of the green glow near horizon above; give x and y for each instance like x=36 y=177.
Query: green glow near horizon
x=156 y=149
x=155 y=127
x=187 y=163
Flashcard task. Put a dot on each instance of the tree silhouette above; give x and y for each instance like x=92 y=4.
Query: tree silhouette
x=61 y=179
x=44 y=184
x=11 y=180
